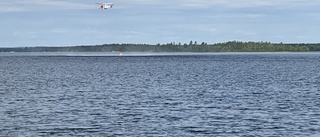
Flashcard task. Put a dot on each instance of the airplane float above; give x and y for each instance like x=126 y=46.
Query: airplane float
x=105 y=5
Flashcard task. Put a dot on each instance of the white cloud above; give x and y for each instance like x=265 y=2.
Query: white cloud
x=40 y=5
x=255 y=15
x=252 y=3
x=156 y=21
x=223 y=3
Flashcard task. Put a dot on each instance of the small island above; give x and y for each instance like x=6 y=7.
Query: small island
x=231 y=46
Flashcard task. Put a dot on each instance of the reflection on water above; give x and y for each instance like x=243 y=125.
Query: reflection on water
x=186 y=95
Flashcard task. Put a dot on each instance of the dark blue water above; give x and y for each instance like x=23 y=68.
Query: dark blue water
x=187 y=95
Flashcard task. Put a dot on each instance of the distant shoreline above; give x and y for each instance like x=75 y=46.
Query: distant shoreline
x=145 y=54
x=231 y=46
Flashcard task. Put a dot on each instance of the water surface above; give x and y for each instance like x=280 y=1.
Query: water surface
x=163 y=95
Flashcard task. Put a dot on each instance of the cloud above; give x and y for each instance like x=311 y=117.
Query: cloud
x=40 y=5
x=255 y=15
x=223 y=3
x=251 y=3
x=153 y=21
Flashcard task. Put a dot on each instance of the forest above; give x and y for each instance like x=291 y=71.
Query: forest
x=193 y=46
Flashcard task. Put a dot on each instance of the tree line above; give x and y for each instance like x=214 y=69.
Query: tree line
x=193 y=46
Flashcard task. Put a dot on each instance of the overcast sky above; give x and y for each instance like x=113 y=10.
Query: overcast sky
x=81 y=22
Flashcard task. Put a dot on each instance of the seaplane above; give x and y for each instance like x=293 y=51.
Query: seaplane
x=105 y=5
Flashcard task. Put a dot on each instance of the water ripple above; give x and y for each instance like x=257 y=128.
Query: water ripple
x=211 y=95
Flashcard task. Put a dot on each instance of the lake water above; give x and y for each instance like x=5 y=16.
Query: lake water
x=227 y=94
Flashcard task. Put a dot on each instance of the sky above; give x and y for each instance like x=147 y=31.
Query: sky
x=28 y=23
